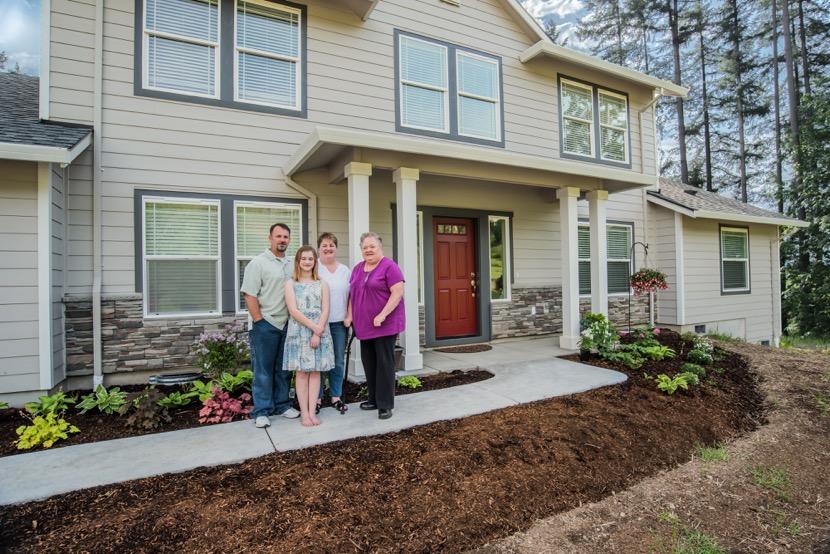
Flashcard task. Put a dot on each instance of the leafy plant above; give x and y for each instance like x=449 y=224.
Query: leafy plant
x=703 y=344
x=697 y=369
x=410 y=382
x=219 y=351
x=629 y=359
x=177 y=399
x=3 y=405
x=670 y=385
x=712 y=453
x=229 y=382
x=56 y=403
x=699 y=357
x=143 y=410
x=202 y=390
x=691 y=378
x=648 y=280
x=598 y=334
x=106 y=401
x=44 y=431
x=222 y=407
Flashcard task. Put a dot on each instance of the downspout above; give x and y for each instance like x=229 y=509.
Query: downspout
x=312 y=206
x=97 y=116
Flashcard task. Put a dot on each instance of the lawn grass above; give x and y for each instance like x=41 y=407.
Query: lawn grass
x=716 y=453
x=812 y=343
x=773 y=478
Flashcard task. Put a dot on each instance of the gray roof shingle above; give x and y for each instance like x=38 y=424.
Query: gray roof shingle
x=695 y=199
x=21 y=118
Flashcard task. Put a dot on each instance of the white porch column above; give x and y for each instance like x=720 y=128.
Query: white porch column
x=597 y=200
x=405 y=180
x=568 y=224
x=357 y=174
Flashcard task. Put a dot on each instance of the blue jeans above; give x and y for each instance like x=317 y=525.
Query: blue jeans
x=335 y=376
x=271 y=383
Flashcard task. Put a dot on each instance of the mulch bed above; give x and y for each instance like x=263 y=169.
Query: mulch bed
x=448 y=486
x=466 y=349
x=95 y=426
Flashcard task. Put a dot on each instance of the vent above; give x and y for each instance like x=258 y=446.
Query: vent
x=700 y=329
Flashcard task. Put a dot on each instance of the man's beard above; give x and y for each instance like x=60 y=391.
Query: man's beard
x=282 y=247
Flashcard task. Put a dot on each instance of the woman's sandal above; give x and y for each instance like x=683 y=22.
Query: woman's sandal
x=317 y=409
x=340 y=406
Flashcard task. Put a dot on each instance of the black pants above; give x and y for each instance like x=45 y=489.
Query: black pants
x=378 y=356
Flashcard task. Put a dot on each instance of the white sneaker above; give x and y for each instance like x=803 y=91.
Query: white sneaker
x=290 y=413
x=262 y=421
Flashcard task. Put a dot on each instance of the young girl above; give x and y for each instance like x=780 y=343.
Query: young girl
x=308 y=346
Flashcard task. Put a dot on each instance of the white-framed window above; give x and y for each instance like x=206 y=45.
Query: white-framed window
x=181 y=256
x=268 y=54
x=500 y=270
x=619 y=240
x=613 y=126
x=479 y=104
x=424 y=84
x=577 y=103
x=252 y=220
x=734 y=254
x=181 y=46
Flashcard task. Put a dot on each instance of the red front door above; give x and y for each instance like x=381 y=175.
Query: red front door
x=456 y=313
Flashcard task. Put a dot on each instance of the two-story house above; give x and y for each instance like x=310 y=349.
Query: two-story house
x=509 y=177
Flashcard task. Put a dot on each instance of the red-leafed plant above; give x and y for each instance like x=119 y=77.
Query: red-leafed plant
x=648 y=280
x=222 y=407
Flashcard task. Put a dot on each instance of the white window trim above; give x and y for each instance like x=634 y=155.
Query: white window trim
x=588 y=259
x=236 y=257
x=603 y=92
x=298 y=73
x=407 y=82
x=144 y=258
x=590 y=122
x=496 y=100
x=745 y=232
x=145 y=54
x=507 y=270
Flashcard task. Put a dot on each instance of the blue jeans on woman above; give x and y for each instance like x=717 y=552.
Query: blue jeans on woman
x=338 y=339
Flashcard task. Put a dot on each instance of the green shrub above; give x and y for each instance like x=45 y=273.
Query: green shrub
x=697 y=369
x=670 y=385
x=44 y=431
x=177 y=399
x=699 y=357
x=598 y=334
x=691 y=378
x=202 y=390
x=229 y=382
x=56 y=403
x=631 y=360
x=108 y=402
x=410 y=382
x=656 y=352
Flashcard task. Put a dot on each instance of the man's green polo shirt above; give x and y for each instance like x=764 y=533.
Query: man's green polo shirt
x=265 y=278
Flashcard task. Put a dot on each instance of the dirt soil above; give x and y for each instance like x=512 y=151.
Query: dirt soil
x=467 y=349
x=725 y=501
x=449 y=486
x=95 y=426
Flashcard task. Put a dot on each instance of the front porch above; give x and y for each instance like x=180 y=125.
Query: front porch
x=440 y=204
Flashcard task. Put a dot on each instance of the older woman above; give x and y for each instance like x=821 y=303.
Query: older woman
x=336 y=275
x=377 y=313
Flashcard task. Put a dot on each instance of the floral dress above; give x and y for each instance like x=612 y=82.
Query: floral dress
x=298 y=354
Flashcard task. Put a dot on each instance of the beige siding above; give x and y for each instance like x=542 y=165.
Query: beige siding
x=58 y=243
x=663 y=251
x=19 y=370
x=79 y=232
x=704 y=301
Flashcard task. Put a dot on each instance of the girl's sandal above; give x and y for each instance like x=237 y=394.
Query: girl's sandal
x=340 y=406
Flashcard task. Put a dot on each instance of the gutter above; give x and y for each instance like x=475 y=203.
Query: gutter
x=97 y=189
x=46 y=154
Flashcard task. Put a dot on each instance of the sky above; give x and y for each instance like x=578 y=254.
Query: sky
x=20 y=22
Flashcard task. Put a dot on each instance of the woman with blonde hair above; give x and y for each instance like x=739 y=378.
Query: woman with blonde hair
x=308 y=346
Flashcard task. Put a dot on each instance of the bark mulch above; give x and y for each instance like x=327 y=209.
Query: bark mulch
x=448 y=486
x=95 y=426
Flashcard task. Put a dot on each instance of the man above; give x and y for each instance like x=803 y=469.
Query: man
x=264 y=289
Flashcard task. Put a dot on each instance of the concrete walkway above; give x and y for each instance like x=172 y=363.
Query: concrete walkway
x=525 y=371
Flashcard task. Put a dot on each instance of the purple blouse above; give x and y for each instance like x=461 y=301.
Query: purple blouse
x=369 y=293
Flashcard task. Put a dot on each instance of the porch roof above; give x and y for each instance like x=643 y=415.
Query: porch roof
x=331 y=148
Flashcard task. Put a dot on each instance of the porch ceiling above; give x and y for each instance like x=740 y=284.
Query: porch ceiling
x=331 y=148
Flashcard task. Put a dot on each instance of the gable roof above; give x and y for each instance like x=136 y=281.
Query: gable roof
x=699 y=203
x=23 y=136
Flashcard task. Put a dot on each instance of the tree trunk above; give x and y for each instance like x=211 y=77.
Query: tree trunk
x=618 y=16
x=805 y=62
x=707 y=137
x=776 y=100
x=672 y=11
x=739 y=98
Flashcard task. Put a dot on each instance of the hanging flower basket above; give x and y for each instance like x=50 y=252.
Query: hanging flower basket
x=647 y=281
